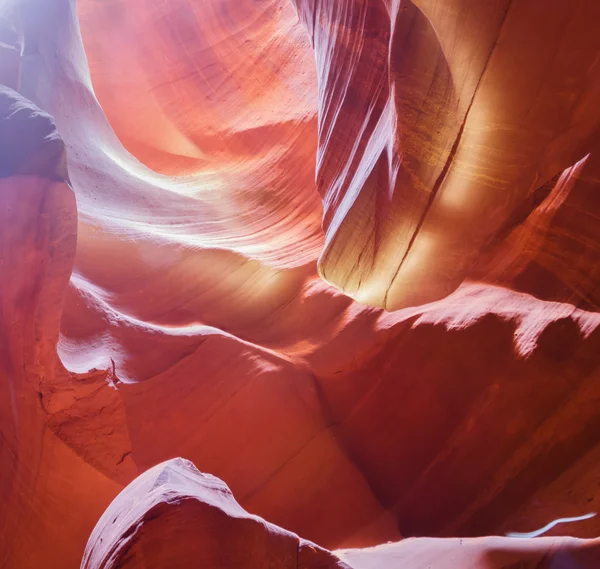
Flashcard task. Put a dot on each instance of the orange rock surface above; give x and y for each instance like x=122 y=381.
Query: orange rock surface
x=174 y=512
x=343 y=255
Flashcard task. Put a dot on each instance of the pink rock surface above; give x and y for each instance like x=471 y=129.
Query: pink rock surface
x=438 y=124
x=174 y=282
x=172 y=515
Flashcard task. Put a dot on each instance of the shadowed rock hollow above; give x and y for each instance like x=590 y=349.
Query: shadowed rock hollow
x=342 y=255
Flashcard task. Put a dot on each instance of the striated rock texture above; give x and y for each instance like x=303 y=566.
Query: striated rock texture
x=42 y=480
x=173 y=515
x=439 y=124
x=343 y=255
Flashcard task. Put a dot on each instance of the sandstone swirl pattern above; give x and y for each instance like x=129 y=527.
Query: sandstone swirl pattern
x=342 y=255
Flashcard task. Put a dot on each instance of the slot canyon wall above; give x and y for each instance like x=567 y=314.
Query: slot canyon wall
x=340 y=256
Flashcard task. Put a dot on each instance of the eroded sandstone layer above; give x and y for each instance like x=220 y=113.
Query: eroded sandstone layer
x=438 y=123
x=342 y=255
x=173 y=515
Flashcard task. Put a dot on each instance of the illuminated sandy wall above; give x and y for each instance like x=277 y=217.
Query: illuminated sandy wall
x=342 y=255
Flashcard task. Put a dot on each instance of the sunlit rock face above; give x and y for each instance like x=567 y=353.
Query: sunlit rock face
x=343 y=256
x=438 y=123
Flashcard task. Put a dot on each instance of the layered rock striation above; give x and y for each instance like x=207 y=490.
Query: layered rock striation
x=173 y=515
x=341 y=255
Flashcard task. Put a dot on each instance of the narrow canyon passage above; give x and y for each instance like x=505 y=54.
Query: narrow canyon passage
x=299 y=283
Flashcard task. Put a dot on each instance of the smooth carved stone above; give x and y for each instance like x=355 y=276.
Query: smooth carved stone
x=174 y=516
x=437 y=121
x=38 y=232
x=181 y=293
x=480 y=553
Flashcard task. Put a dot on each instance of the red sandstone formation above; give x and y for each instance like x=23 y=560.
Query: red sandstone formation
x=175 y=283
x=464 y=110
x=172 y=513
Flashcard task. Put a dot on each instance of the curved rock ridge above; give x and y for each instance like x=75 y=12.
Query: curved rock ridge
x=173 y=515
x=437 y=123
x=478 y=553
x=41 y=479
x=183 y=305
x=230 y=141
